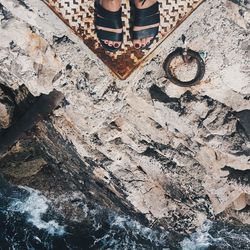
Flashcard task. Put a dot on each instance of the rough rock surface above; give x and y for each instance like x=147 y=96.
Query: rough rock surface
x=177 y=155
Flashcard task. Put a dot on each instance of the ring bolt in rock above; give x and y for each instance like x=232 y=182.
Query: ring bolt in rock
x=188 y=56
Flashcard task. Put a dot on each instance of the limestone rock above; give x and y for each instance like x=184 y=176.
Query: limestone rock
x=5 y=116
x=25 y=169
x=176 y=155
x=240 y=202
x=6 y=110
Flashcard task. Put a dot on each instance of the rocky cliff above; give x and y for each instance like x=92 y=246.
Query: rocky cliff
x=166 y=155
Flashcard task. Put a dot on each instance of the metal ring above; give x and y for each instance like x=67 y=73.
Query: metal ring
x=191 y=55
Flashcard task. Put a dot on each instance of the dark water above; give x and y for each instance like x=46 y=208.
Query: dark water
x=218 y=235
x=28 y=222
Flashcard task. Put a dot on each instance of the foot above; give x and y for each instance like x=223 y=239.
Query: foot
x=111 y=5
x=140 y=43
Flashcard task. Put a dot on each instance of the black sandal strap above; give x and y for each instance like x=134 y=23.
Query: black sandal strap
x=148 y=11
x=106 y=13
x=145 y=33
x=147 y=20
x=108 y=23
x=107 y=35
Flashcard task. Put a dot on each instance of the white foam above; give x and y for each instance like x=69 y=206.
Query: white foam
x=36 y=205
x=124 y=226
x=200 y=240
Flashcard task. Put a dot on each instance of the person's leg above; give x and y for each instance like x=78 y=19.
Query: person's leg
x=140 y=4
x=110 y=5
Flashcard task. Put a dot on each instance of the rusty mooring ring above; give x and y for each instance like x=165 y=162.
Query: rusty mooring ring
x=187 y=55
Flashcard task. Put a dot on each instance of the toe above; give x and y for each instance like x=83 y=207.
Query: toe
x=116 y=44
x=143 y=42
x=110 y=43
x=151 y=38
x=136 y=44
x=148 y=40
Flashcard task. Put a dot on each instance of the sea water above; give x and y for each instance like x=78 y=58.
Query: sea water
x=28 y=221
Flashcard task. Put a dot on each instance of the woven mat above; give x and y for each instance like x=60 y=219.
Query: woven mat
x=79 y=16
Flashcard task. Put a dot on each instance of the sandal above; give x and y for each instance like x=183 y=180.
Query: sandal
x=108 y=19
x=145 y=17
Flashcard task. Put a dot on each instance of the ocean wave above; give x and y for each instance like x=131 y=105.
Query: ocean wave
x=35 y=206
x=218 y=235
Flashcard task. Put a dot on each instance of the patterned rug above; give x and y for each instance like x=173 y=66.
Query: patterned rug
x=79 y=16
